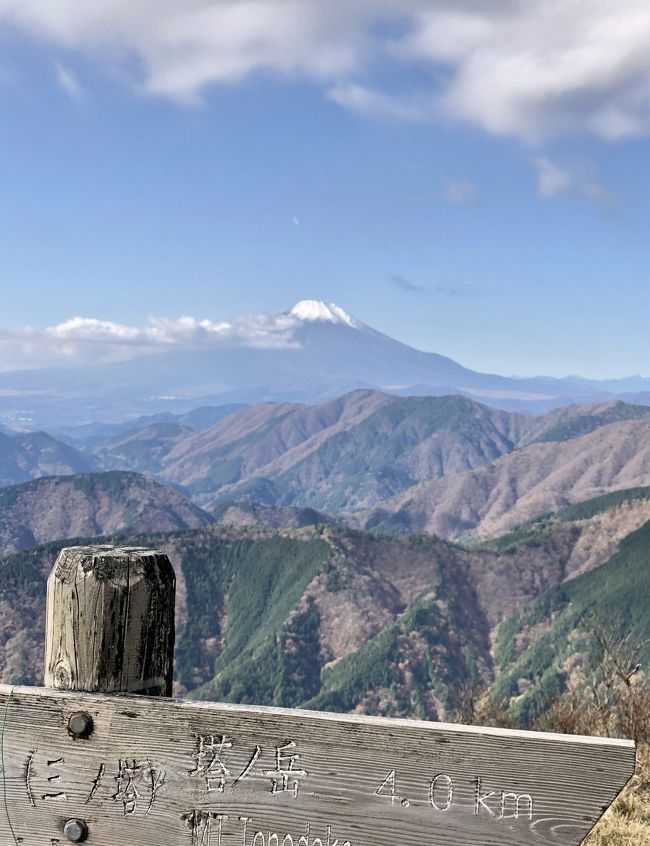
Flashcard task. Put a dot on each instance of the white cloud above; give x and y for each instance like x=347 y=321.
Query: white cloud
x=181 y=46
x=160 y=331
x=89 y=340
x=531 y=70
x=553 y=180
x=376 y=104
x=522 y=69
x=68 y=82
x=460 y=192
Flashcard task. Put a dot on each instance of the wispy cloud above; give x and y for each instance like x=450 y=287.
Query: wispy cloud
x=553 y=180
x=68 y=82
x=456 y=291
x=460 y=192
x=374 y=103
x=405 y=284
x=441 y=289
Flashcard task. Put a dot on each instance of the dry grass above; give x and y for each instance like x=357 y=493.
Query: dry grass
x=627 y=822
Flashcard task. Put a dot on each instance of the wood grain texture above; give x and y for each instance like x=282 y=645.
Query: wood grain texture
x=110 y=621
x=159 y=772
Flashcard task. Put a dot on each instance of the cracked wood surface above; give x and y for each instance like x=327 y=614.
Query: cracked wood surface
x=161 y=772
x=110 y=621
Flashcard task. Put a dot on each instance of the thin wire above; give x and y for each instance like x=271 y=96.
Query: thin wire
x=2 y=760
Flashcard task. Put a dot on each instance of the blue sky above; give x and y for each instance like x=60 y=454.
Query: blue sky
x=358 y=161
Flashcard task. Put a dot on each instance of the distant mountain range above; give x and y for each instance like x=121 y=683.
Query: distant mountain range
x=329 y=618
x=535 y=480
x=324 y=353
x=444 y=465
x=197 y=420
x=316 y=545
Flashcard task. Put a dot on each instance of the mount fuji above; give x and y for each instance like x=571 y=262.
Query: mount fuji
x=310 y=352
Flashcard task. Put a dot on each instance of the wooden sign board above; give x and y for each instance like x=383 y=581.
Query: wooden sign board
x=160 y=772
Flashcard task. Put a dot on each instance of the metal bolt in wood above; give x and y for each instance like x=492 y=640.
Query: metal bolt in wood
x=76 y=831
x=80 y=724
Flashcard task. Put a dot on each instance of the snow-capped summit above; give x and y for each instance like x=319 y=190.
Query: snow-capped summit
x=312 y=310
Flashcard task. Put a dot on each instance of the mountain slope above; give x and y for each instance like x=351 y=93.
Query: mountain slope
x=363 y=448
x=564 y=424
x=446 y=465
x=249 y=514
x=352 y=451
x=91 y=504
x=142 y=449
x=546 y=646
x=29 y=455
x=259 y=614
x=535 y=480
x=337 y=618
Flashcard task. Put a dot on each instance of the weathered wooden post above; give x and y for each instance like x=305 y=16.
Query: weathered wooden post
x=110 y=621
x=109 y=629
x=81 y=766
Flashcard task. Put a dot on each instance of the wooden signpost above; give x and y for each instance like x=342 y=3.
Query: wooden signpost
x=113 y=769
